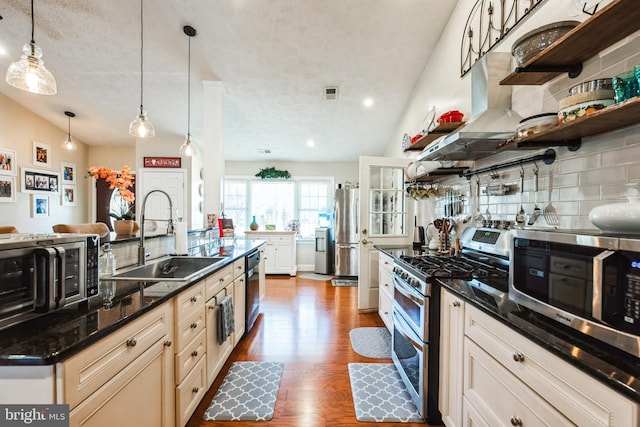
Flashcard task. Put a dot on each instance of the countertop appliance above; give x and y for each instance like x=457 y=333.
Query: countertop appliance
x=588 y=281
x=347 y=237
x=252 y=266
x=324 y=251
x=40 y=273
x=482 y=266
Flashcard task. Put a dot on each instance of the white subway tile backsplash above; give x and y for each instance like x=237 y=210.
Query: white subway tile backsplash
x=626 y=155
x=577 y=164
x=603 y=176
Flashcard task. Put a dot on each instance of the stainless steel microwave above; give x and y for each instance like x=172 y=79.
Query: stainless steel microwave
x=41 y=273
x=589 y=282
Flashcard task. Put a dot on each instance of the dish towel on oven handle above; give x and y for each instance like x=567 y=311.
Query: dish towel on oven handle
x=226 y=323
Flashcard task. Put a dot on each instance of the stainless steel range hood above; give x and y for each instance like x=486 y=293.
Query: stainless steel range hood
x=492 y=120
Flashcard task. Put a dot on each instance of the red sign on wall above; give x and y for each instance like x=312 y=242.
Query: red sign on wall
x=162 y=162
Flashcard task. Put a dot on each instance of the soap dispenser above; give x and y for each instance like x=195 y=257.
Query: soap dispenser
x=107 y=264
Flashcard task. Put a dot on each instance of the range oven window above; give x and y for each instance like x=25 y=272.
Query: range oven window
x=409 y=355
x=412 y=304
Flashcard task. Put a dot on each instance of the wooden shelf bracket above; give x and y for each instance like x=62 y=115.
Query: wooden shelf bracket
x=573 y=70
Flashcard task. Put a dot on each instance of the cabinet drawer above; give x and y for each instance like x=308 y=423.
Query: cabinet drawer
x=581 y=398
x=88 y=370
x=386 y=283
x=386 y=263
x=500 y=398
x=280 y=239
x=238 y=267
x=188 y=328
x=190 y=300
x=569 y=267
x=218 y=280
x=385 y=309
x=190 y=392
x=190 y=355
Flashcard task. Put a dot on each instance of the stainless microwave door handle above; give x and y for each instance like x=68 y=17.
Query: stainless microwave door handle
x=61 y=288
x=400 y=288
x=45 y=277
x=598 y=279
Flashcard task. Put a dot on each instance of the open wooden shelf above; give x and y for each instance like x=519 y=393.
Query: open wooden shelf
x=439 y=173
x=608 y=26
x=442 y=129
x=616 y=116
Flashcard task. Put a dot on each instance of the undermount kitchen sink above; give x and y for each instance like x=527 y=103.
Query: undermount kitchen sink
x=177 y=269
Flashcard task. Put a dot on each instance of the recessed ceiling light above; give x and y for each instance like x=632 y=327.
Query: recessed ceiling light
x=368 y=102
x=311 y=143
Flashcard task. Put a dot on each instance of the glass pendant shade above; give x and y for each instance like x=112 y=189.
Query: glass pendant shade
x=30 y=74
x=186 y=149
x=69 y=144
x=141 y=127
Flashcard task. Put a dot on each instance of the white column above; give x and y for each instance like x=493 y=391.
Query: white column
x=212 y=145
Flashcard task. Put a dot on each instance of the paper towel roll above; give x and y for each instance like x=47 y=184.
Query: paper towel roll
x=181 y=238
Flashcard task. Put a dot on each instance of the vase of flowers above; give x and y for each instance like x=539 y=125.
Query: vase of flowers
x=122 y=181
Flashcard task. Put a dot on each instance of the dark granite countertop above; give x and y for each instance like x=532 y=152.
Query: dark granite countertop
x=56 y=336
x=611 y=366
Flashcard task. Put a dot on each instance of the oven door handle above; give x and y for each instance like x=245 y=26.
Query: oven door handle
x=61 y=279
x=399 y=324
x=598 y=274
x=400 y=287
x=45 y=259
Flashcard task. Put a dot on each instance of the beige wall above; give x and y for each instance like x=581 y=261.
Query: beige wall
x=20 y=127
x=341 y=171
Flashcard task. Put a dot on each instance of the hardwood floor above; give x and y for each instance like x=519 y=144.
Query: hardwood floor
x=305 y=324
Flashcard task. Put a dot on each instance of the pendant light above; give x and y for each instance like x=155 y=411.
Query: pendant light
x=141 y=127
x=187 y=148
x=69 y=144
x=29 y=73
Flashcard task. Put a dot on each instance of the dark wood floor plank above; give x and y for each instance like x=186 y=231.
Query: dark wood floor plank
x=305 y=324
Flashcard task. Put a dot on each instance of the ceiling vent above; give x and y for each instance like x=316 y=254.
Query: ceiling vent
x=331 y=93
x=264 y=151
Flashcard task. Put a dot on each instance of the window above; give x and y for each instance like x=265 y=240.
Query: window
x=281 y=203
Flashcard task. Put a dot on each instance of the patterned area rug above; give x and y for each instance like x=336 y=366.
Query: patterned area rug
x=344 y=282
x=247 y=393
x=371 y=342
x=379 y=395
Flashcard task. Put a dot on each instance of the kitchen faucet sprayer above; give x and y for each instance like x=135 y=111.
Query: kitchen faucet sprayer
x=141 y=248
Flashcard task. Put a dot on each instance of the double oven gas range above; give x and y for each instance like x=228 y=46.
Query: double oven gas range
x=482 y=266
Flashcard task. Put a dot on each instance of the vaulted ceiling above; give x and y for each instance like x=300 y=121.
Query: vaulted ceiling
x=274 y=58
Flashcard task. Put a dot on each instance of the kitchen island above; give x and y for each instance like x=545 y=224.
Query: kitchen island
x=158 y=336
x=496 y=351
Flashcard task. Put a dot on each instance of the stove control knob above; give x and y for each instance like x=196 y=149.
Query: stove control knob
x=414 y=283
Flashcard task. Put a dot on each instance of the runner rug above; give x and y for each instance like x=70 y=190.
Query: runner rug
x=247 y=393
x=379 y=395
x=371 y=342
x=344 y=282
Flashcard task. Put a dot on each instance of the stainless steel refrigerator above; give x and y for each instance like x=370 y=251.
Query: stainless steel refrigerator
x=347 y=237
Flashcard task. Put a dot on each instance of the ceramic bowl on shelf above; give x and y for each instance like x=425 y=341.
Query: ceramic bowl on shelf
x=621 y=217
x=536 y=124
x=573 y=112
x=453 y=116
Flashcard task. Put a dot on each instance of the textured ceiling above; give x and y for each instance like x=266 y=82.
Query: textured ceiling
x=274 y=58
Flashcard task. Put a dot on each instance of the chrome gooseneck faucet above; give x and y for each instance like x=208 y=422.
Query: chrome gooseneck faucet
x=141 y=249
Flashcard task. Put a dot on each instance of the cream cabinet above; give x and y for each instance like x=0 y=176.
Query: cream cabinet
x=451 y=358
x=280 y=250
x=127 y=378
x=190 y=351
x=239 y=300
x=262 y=280
x=509 y=380
x=385 y=296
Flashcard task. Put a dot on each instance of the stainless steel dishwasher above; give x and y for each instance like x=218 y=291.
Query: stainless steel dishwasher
x=253 y=288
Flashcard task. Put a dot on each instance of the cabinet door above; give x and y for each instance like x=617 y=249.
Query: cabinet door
x=262 y=280
x=270 y=259
x=141 y=394
x=451 y=358
x=385 y=280
x=284 y=257
x=216 y=353
x=239 y=301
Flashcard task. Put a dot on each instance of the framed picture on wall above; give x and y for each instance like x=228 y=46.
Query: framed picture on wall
x=68 y=171
x=40 y=206
x=40 y=181
x=7 y=189
x=41 y=154
x=7 y=162
x=69 y=195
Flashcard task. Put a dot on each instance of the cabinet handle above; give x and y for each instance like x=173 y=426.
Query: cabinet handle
x=516 y=421
x=131 y=342
x=168 y=343
x=212 y=307
x=194 y=298
x=456 y=303
x=195 y=390
x=518 y=357
x=194 y=325
x=221 y=280
x=194 y=353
